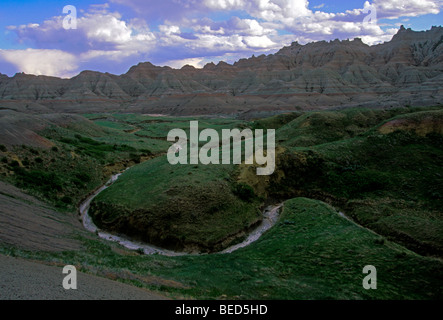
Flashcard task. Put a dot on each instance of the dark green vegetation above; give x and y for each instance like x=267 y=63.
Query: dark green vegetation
x=81 y=158
x=312 y=253
x=382 y=168
x=57 y=175
x=83 y=154
x=184 y=207
x=388 y=178
x=193 y=207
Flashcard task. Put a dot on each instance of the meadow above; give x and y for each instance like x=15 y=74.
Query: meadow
x=381 y=168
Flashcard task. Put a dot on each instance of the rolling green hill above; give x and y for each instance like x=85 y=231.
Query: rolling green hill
x=192 y=207
x=388 y=178
x=381 y=168
x=311 y=253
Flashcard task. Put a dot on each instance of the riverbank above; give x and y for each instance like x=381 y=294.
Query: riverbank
x=311 y=253
x=270 y=217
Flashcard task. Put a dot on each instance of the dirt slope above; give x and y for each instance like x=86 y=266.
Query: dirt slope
x=28 y=223
x=25 y=280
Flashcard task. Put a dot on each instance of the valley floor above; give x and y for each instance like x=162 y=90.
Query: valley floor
x=391 y=182
x=311 y=253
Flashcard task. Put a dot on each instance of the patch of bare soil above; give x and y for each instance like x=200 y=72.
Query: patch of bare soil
x=30 y=224
x=25 y=280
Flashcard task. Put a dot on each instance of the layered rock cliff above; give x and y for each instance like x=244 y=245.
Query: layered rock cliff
x=408 y=70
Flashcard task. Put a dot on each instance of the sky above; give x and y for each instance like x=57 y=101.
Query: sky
x=63 y=38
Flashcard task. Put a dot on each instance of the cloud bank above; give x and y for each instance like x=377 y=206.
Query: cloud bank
x=179 y=32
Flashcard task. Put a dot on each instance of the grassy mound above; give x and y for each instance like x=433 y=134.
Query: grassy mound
x=191 y=207
x=314 y=128
x=77 y=156
x=388 y=177
x=380 y=167
x=420 y=123
x=393 y=185
x=389 y=180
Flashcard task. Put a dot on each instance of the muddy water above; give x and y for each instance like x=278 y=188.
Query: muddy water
x=270 y=217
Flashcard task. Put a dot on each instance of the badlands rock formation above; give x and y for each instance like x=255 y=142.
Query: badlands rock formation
x=408 y=70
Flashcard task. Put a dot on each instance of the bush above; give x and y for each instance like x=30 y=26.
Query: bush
x=302 y=169
x=45 y=181
x=135 y=157
x=125 y=147
x=15 y=164
x=67 y=140
x=146 y=152
x=83 y=176
x=88 y=140
x=355 y=183
x=3 y=148
x=368 y=181
x=66 y=200
x=244 y=192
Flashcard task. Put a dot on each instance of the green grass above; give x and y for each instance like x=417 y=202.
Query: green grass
x=77 y=164
x=113 y=125
x=311 y=253
x=275 y=122
x=386 y=177
x=91 y=146
x=385 y=181
x=56 y=175
x=319 y=127
x=179 y=206
x=160 y=128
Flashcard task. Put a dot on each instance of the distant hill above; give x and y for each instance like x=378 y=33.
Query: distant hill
x=408 y=70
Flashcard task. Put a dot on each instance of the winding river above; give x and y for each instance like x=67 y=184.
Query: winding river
x=270 y=217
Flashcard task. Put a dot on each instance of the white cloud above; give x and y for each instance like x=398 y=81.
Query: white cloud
x=177 y=64
x=115 y=55
x=42 y=61
x=169 y=29
x=393 y=9
x=269 y=10
x=259 y=42
x=293 y=16
x=96 y=30
x=105 y=28
x=386 y=36
x=247 y=26
x=225 y=4
x=183 y=33
x=235 y=25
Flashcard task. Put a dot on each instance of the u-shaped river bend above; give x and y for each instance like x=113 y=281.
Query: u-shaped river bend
x=270 y=217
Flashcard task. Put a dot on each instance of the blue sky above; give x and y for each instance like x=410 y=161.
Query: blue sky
x=113 y=35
